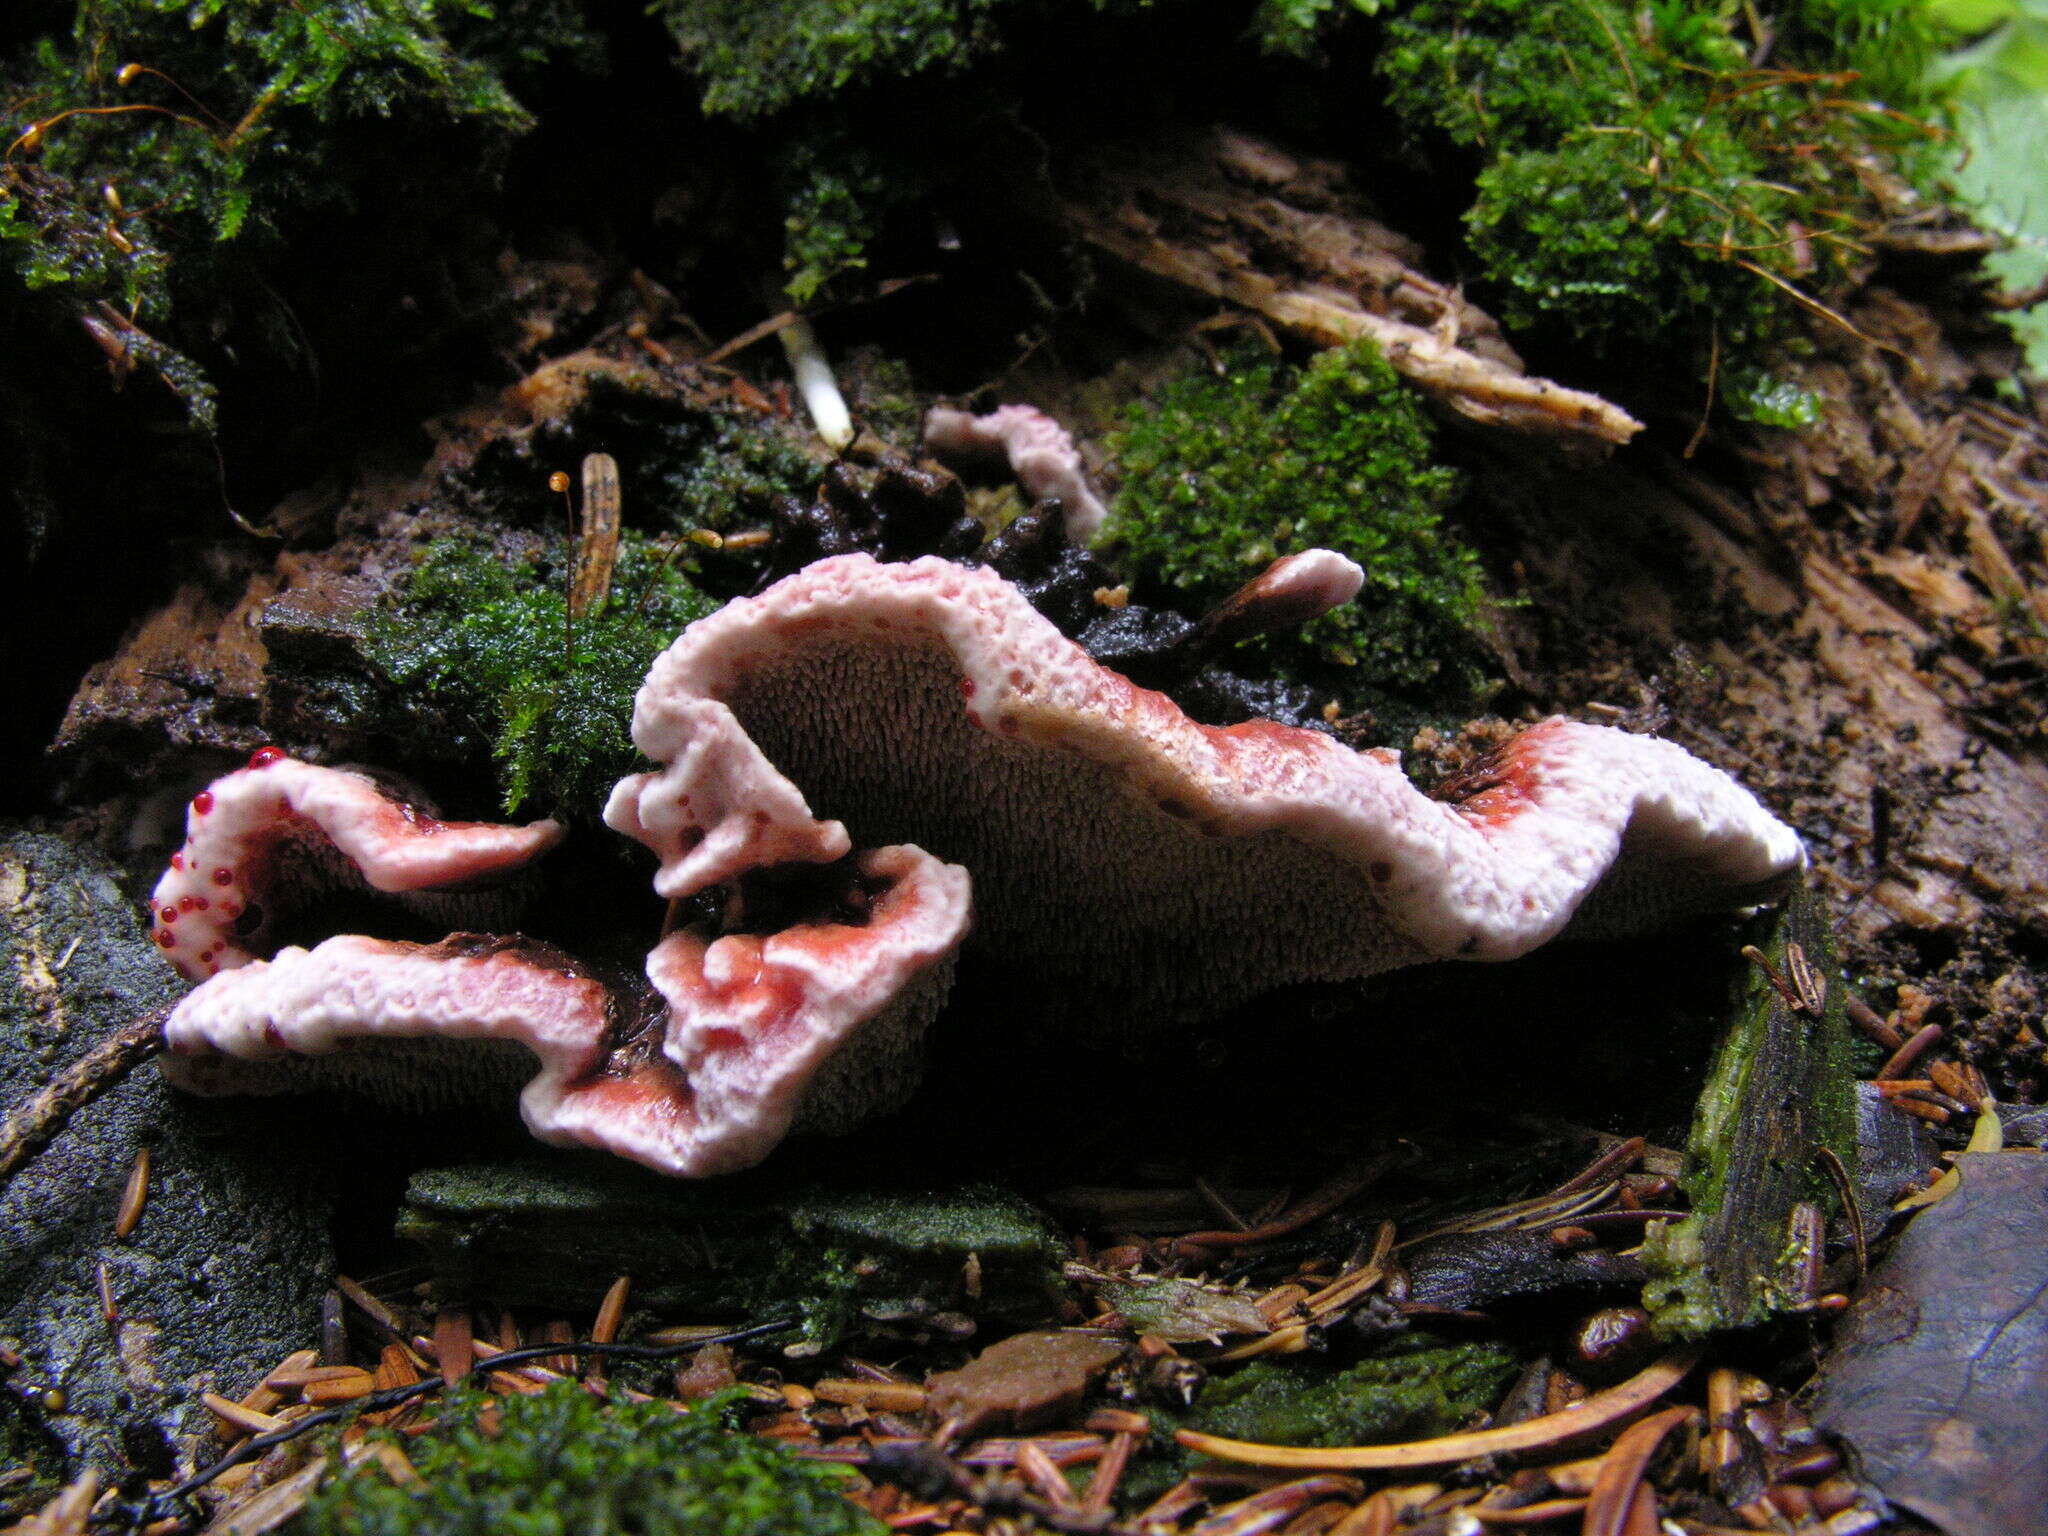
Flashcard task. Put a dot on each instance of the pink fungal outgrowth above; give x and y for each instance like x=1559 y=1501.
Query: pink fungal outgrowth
x=1141 y=866
x=212 y=896
x=1129 y=867
x=1286 y=595
x=761 y=1031
x=1040 y=452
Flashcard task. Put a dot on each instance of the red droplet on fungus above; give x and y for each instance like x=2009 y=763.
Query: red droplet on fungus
x=223 y=877
x=203 y=801
x=263 y=757
x=177 y=861
x=168 y=939
x=169 y=914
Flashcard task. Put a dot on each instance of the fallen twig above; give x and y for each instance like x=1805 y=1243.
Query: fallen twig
x=36 y=1124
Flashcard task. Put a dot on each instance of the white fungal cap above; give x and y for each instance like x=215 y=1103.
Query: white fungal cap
x=822 y=1020
x=1137 y=864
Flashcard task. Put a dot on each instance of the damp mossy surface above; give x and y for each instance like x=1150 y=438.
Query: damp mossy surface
x=1223 y=474
x=1640 y=181
x=562 y=1460
x=837 y=1261
x=492 y=643
x=1414 y=1388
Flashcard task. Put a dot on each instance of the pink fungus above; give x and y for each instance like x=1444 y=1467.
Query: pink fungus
x=1040 y=454
x=1130 y=867
x=1197 y=866
x=241 y=821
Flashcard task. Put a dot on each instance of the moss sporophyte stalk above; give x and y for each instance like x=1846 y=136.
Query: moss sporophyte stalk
x=1222 y=474
x=488 y=640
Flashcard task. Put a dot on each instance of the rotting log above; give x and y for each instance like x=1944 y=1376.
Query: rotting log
x=1779 y=1098
x=1229 y=217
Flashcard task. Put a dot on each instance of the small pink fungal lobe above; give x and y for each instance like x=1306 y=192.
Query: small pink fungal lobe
x=1040 y=452
x=240 y=824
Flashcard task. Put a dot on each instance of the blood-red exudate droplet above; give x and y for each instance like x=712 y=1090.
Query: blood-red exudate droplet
x=203 y=801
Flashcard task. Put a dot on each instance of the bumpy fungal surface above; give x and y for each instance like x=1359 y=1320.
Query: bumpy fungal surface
x=208 y=910
x=1140 y=866
x=745 y=1034
x=1129 y=868
x=1041 y=455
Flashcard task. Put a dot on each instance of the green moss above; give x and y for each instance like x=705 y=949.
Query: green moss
x=755 y=57
x=1778 y=1092
x=227 y=125
x=490 y=642
x=705 y=466
x=1223 y=475
x=1638 y=180
x=1416 y=1388
x=561 y=1462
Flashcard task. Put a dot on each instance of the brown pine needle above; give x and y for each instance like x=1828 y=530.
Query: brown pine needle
x=1600 y=1411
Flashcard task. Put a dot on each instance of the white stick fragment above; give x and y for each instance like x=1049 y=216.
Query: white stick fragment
x=815 y=383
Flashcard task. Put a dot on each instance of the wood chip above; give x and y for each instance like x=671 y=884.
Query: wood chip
x=133 y=1197
x=876 y=1396
x=271 y=1507
x=343 y=1388
x=597 y=545
x=370 y=1306
x=1045 y=1478
x=395 y=1368
x=454 y=1343
x=233 y=1416
x=605 y=1329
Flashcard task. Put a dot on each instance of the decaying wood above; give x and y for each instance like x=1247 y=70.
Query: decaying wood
x=1777 y=1098
x=1239 y=220
x=597 y=544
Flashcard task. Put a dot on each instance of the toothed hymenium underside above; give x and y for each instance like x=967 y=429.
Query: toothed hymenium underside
x=1140 y=869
